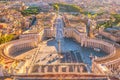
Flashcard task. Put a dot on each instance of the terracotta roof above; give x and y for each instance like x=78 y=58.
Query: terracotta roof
x=1 y=26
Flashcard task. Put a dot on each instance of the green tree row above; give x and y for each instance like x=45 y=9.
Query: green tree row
x=111 y=23
x=56 y=7
x=67 y=7
x=30 y=10
x=117 y=18
x=6 y=38
x=107 y=24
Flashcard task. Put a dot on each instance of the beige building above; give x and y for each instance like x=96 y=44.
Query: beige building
x=112 y=34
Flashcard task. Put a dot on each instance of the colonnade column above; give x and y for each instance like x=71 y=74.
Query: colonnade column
x=39 y=69
x=76 y=69
x=60 y=69
x=46 y=69
x=53 y=68
x=67 y=69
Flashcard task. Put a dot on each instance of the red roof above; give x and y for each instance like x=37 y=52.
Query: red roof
x=1 y=26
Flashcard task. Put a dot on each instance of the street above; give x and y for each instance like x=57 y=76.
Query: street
x=59 y=28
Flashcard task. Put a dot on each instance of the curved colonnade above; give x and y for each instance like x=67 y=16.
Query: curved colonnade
x=12 y=48
x=9 y=50
x=19 y=45
x=86 y=42
x=105 y=46
x=3 y=56
x=94 y=43
x=109 y=61
x=112 y=61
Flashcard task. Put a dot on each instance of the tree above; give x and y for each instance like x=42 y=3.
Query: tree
x=67 y=7
x=117 y=18
x=30 y=10
x=6 y=38
x=94 y=16
x=89 y=15
x=56 y=7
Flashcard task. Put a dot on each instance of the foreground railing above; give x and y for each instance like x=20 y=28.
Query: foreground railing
x=61 y=76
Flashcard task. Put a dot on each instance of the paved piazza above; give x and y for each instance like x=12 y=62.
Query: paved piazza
x=47 y=54
x=59 y=50
x=73 y=53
